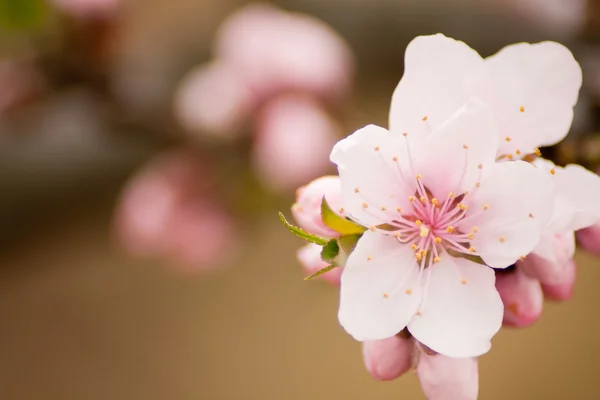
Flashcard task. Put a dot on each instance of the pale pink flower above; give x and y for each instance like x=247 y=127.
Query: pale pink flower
x=522 y=297
x=213 y=100
x=445 y=378
x=388 y=359
x=433 y=202
x=88 y=8
x=530 y=88
x=274 y=50
x=589 y=238
x=307 y=208
x=294 y=137
x=562 y=288
x=309 y=256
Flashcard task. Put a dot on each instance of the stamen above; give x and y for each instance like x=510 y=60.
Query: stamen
x=522 y=109
x=450 y=229
x=365 y=205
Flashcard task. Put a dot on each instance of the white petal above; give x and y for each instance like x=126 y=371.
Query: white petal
x=460 y=152
x=380 y=289
x=439 y=75
x=532 y=90
x=461 y=309
x=371 y=179
x=510 y=210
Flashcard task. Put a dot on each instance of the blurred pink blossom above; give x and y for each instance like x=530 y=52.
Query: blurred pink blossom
x=275 y=50
x=294 y=138
x=388 y=359
x=212 y=99
x=522 y=297
x=167 y=211
x=589 y=238
x=307 y=208
x=445 y=378
x=309 y=256
x=88 y=8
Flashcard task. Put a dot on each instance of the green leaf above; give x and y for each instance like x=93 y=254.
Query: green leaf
x=330 y=250
x=337 y=223
x=302 y=234
x=320 y=272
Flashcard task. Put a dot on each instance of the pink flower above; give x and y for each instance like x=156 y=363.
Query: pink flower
x=530 y=88
x=213 y=100
x=522 y=297
x=388 y=359
x=309 y=256
x=294 y=136
x=589 y=238
x=274 y=50
x=307 y=208
x=445 y=378
x=438 y=206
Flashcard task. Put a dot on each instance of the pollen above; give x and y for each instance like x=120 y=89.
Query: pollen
x=522 y=109
x=419 y=313
x=475 y=229
x=537 y=152
x=450 y=229
x=502 y=239
x=399 y=209
x=365 y=205
x=369 y=258
x=423 y=199
x=486 y=206
x=522 y=258
x=419 y=176
x=414 y=246
x=509 y=156
x=434 y=201
x=377 y=148
x=438 y=240
x=425 y=118
x=478 y=184
x=507 y=139
x=411 y=198
x=472 y=249
x=386 y=296
x=480 y=166
x=418 y=256
x=530 y=215
x=463 y=281
x=436 y=259
x=356 y=190
x=341 y=210
x=462 y=206
x=424 y=232
x=418 y=222
x=383 y=208
x=373 y=228
x=451 y=195
x=471 y=236
x=518 y=152
x=405 y=134
x=552 y=171
x=408 y=291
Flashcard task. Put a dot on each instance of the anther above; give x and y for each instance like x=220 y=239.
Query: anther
x=522 y=109
x=386 y=296
x=471 y=236
x=405 y=134
x=502 y=239
x=507 y=139
x=537 y=152
x=530 y=215
x=341 y=210
x=408 y=291
x=450 y=229
x=475 y=229
x=518 y=152
x=436 y=259
x=434 y=201
x=425 y=118
x=356 y=190
x=478 y=184
x=399 y=209
x=451 y=195
x=552 y=171
x=414 y=246
x=465 y=146
x=463 y=281
x=522 y=258
x=480 y=166
x=438 y=240
x=509 y=156
x=486 y=206
x=423 y=199
x=373 y=228
x=365 y=205
x=462 y=206
x=411 y=198
x=418 y=222
x=395 y=159
x=369 y=258
x=472 y=249
x=377 y=148
x=419 y=176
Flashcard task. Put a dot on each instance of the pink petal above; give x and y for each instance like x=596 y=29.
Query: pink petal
x=577 y=194
x=380 y=289
x=550 y=258
x=309 y=256
x=439 y=75
x=589 y=238
x=372 y=182
x=388 y=359
x=511 y=209
x=522 y=297
x=532 y=91
x=213 y=100
x=461 y=309
x=563 y=288
x=307 y=208
x=294 y=136
x=445 y=378
x=460 y=152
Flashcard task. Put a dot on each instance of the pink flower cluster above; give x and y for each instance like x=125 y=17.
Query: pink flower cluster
x=280 y=73
x=466 y=226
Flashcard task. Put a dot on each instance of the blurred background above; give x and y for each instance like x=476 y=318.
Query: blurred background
x=145 y=149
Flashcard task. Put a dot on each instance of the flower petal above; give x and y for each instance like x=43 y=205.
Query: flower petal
x=532 y=90
x=309 y=257
x=510 y=211
x=439 y=75
x=380 y=289
x=460 y=152
x=461 y=309
x=550 y=258
x=563 y=289
x=372 y=164
x=388 y=359
x=444 y=378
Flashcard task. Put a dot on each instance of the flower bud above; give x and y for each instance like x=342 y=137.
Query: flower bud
x=388 y=359
x=445 y=378
x=562 y=287
x=550 y=259
x=309 y=256
x=307 y=209
x=522 y=297
x=589 y=238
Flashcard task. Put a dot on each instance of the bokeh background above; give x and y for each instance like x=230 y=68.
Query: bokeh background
x=92 y=306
